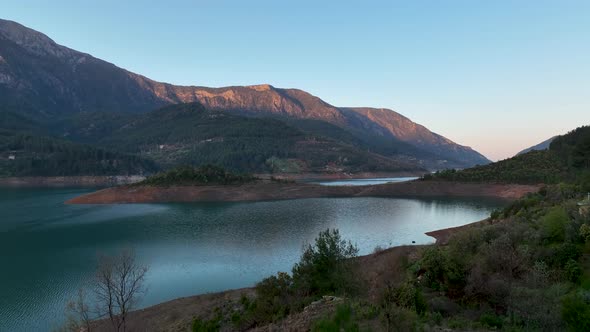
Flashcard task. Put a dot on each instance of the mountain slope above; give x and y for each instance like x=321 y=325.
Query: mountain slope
x=44 y=81
x=541 y=146
x=566 y=159
x=24 y=154
x=190 y=134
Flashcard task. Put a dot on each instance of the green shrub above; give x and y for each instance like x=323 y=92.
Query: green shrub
x=584 y=181
x=274 y=300
x=444 y=267
x=434 y=263
x=436 y=317
x=496 y=214
x=203 y=175
x=273 y=294
x=211 y=325
x=325 y=267
x=563 y=253
x=585 y=232
x=236 y=318
x=553 y=224
x=343 y=320
x=459 y=323
x=537 y=308
x=406 y=296
x=443 y=305
x=396 y=318
x=576 y=313
x=491 y=320
x=572 y=270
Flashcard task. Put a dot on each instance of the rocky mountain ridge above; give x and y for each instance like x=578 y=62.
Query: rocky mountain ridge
x=43 y=81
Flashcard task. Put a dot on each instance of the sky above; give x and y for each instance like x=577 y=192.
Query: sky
x=498 y=76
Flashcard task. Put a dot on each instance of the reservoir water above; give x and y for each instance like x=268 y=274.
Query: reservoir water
x=48 y=250
x=362 y=182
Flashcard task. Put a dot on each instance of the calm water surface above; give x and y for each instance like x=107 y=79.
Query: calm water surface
x=362 y=182
x=48 y=249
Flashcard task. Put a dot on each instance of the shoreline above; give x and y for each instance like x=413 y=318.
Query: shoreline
x=377 y=269
x=70 y=181
x=117 y=180
x=268 y=191
x=442 y=236
x=340 y=176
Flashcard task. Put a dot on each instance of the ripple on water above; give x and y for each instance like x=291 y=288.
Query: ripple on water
x=190 y=248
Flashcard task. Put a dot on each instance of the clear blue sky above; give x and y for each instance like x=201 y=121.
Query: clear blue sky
x=495 y=75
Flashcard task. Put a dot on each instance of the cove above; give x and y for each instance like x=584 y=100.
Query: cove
x=48 y=249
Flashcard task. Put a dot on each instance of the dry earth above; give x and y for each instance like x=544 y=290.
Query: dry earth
x=264 y=190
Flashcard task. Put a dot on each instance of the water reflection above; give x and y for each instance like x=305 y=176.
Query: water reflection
x=49 y=248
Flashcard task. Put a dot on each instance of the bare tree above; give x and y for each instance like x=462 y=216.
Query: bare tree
x=78 y=314
x=119 y=284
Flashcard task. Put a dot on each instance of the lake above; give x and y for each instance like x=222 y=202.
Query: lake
x=361 y=182
x=48 y=249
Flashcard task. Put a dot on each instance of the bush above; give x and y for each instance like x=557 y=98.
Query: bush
x=573 y=272
x=537 y=309
x=443 y=306
x=553 y=224
x=325 y=268
x=406 y=296
x=564 y=253
x=585 y=232
x=204 y=175
x=434 y=264
x=274 y=298
x=400 y=319
x=576 y=313
x=211 y=325
x=496 y=214
x=491 y=320
x=343 y=320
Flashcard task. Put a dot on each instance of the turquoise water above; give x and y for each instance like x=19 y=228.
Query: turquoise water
x=48 y=250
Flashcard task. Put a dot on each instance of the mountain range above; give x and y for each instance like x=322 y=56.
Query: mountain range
x=57 y=92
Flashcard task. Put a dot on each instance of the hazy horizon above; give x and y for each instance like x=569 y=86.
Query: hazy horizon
x=498 y=77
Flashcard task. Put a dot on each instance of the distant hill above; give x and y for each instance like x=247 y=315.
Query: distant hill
x=31 y=155
x=50 y=84
x=541 y=146
x=567 y=158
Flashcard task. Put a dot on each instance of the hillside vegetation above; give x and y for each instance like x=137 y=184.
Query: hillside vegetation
x=567 y=159
x=204 y=175
x=531 y=167
x=23 y=154
x=189 y=134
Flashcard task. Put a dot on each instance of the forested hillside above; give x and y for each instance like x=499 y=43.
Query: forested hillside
x=24 y=154
x=567 y=159
x=189 y=134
